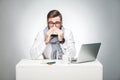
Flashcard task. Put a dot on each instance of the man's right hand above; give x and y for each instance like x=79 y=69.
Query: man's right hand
x=48 y=35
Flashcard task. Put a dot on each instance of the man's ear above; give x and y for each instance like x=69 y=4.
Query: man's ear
x=61 y=27
x=48 y=27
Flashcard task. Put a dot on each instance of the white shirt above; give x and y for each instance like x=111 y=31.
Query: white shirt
x=39 y=46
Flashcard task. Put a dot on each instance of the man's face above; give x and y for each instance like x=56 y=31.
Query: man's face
x=54 y=22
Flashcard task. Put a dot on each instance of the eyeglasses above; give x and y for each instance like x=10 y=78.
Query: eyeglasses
x=57 y=23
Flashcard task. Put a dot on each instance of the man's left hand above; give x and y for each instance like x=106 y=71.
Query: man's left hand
x=60 y=33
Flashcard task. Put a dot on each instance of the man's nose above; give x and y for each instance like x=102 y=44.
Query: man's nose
x=54 y=25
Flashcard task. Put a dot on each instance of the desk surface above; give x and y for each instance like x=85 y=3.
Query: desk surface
x=27 y=62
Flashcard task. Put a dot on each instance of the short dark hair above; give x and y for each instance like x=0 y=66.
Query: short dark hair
x=54 y=13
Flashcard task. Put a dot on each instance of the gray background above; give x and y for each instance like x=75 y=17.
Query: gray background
x=89 y=20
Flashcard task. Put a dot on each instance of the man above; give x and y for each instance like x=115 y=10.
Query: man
x=54 y=41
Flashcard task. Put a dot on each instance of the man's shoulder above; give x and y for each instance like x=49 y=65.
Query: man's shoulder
x=40 y=33
x=68 y=31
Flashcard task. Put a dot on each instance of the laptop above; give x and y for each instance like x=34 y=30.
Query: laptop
x=88 y=53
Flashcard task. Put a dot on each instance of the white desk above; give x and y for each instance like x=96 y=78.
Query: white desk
x=38 y=70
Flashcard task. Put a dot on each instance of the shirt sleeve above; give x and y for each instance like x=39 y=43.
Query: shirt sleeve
x=38 y=46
